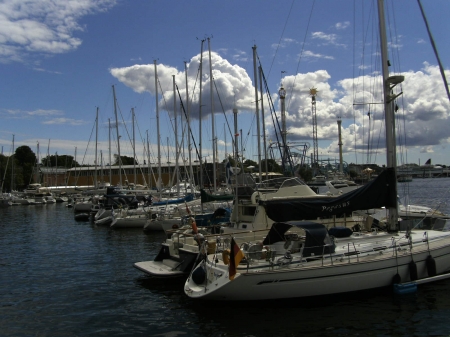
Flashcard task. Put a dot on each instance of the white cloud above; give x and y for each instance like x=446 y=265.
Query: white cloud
x=43 y=26
x=327 y=39
x=342 y=25
x=423 y=109
x=233 y=83
x=310 y=55
x=66 y=121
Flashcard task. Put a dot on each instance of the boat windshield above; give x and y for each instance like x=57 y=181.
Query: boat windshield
x=281 y=182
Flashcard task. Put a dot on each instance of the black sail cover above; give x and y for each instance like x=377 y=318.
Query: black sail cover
x=380 y=192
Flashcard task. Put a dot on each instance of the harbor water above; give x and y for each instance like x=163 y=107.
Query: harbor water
x=60 y=277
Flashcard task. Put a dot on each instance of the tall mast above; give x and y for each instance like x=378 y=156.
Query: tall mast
x=200 y=118
x=48 y=163
x=134 y=148
x=341 y=161
x=212 y=115
x=37 y=165
x=75 y=159
x=176 y=173
x=388 y=85
x=118 y=137
x=258 y=126
x=315 y=162
x=159 y=182
x=168 y=157
x=96 y=142
x=12 y=166
x=191 y=174
x=109 y=141
x=263 y=121
x=56 y=169
x=149 y=166
x=236 y=156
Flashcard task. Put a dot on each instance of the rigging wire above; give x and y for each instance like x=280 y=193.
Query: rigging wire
x=300 y=56
x=441 y=68
x=281 y=37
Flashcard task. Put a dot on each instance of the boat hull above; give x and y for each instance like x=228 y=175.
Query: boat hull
x=315 y=279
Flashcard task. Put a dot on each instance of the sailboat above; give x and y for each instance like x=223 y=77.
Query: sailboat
x=303 y=259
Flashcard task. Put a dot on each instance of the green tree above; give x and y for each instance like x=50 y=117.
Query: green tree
x=272 y=165
x=125 y=160
x=24 y=164
x=248 y=163
x=60 y=161
x=305 y=173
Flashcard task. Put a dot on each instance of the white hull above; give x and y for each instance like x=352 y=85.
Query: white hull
x=153 y=225
x=132 y=221
x=321 y=277
x=163 y=269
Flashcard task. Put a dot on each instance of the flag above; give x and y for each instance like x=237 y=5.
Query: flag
x=236 y=255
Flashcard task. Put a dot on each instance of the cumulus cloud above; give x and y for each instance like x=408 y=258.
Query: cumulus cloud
x=422 y=116
x=43 y=26
x=423 y=109
x=234 y=86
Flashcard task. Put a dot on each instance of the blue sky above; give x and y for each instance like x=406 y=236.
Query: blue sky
x=60 y=59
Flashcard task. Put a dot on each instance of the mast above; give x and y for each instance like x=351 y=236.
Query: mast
x=37 y=165
x=263 y=122
x=159 y=182
x=149 y=165
x=388 y=84
x=341 y=169
x=48 y=163
x=109 y=141
x=96 y=142
x=75 y=159
x=282 y=95
x=212 y=115
x=176 y=136
x=236 y=156
x=315 y=161
x=134 y=148
x=258 y=126
x=168 y=158
x=200 y=118
x=56 y=169
x=118 y=137
x=191 y=173
x=12 y=166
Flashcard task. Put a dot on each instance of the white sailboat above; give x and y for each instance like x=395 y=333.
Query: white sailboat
x=301 y=259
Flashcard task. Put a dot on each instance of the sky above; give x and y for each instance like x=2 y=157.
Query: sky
x=61 y=59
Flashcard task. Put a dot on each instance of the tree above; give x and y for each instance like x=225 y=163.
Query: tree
x=24 y=155
x=272 y=165
x=125 y=160
x=305 y=173
x=60 y=161
x=24 y=163
x=248 y=163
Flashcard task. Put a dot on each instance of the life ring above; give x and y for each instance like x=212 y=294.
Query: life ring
x=255 y=198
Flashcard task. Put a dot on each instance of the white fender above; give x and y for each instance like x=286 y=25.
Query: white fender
x=255 y=198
